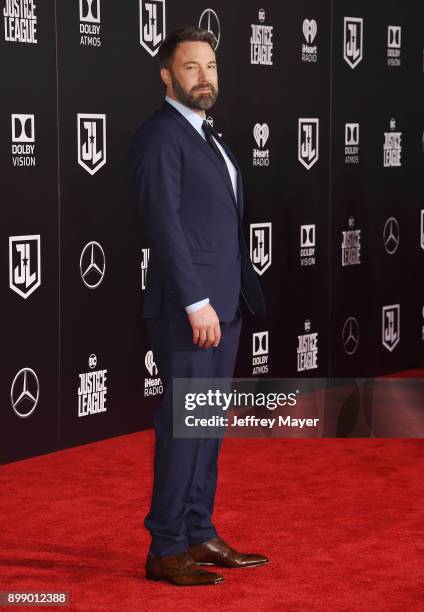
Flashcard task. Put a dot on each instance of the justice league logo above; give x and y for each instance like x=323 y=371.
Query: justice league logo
x=260 y=246
x=308 y=142
x=351 y=245
x=92 y=390
x=24 y=264
x=20 y=21
x=392 y=147
x=152 y=25
x=353 y=40
x=261 y=43
x=391 y=326
x=307 y=349
x=91 y=141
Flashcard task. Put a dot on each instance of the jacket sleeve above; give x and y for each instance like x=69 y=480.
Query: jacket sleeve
x=156 y=165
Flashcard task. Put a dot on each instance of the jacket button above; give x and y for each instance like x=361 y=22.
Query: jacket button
x=238 y=255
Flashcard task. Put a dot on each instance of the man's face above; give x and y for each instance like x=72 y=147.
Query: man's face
x=193 y=77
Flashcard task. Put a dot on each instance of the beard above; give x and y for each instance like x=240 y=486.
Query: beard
x=202 y=101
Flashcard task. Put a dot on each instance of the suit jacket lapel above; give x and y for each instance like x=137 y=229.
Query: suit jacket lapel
x=237 y=167
x=207 y=150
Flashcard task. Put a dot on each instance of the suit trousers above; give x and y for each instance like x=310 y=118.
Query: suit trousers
x=185 y=470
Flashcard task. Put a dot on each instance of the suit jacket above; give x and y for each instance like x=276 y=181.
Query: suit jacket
x=193 y=222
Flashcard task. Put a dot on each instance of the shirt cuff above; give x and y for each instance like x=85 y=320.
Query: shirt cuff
x=196 y=306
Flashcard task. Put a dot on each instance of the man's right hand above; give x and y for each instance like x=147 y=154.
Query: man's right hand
x=205 y=325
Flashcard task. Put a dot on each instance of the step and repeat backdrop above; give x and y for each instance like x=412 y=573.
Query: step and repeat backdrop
x=322 y=104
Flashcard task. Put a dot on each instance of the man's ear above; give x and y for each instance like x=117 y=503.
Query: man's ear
x=165 y=75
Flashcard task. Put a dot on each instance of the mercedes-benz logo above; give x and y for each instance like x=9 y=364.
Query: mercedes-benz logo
x=92 y=264
x=391 y=235
x=350 y=336
x=209 y=21
x=24 y=392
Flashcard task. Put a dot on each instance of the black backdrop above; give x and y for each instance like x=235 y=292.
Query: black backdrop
x=335 y=220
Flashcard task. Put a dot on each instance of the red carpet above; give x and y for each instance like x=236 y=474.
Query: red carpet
x=342 y=521
x=416 y=373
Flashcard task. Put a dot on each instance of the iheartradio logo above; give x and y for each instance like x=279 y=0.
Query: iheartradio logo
x=309 y=29
x=261 y=134
x=151 y=364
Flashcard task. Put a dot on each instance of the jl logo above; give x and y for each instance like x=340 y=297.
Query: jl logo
x=391 y=326
x=24 y=264
x=308 y=142
x=152 y=25
x=260 y=246
x=91 y=141
x=353 y=40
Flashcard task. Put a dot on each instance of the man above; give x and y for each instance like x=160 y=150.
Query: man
x=190 y=196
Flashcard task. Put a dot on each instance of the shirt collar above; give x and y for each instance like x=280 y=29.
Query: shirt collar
x=194 y=118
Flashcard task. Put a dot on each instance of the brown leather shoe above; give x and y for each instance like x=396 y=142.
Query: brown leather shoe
x=180 y=570
x=218 y=552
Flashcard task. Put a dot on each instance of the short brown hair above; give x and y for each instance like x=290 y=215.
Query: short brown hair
x=167 y=48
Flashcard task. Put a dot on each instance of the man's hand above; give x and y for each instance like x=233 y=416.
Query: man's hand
x=205 y=325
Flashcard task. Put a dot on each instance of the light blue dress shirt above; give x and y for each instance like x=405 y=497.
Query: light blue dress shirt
x=196 y=121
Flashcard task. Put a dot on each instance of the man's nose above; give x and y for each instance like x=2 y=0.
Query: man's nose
x=202 y=75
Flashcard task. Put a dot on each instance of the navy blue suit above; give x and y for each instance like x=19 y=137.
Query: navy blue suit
x=197 y=251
